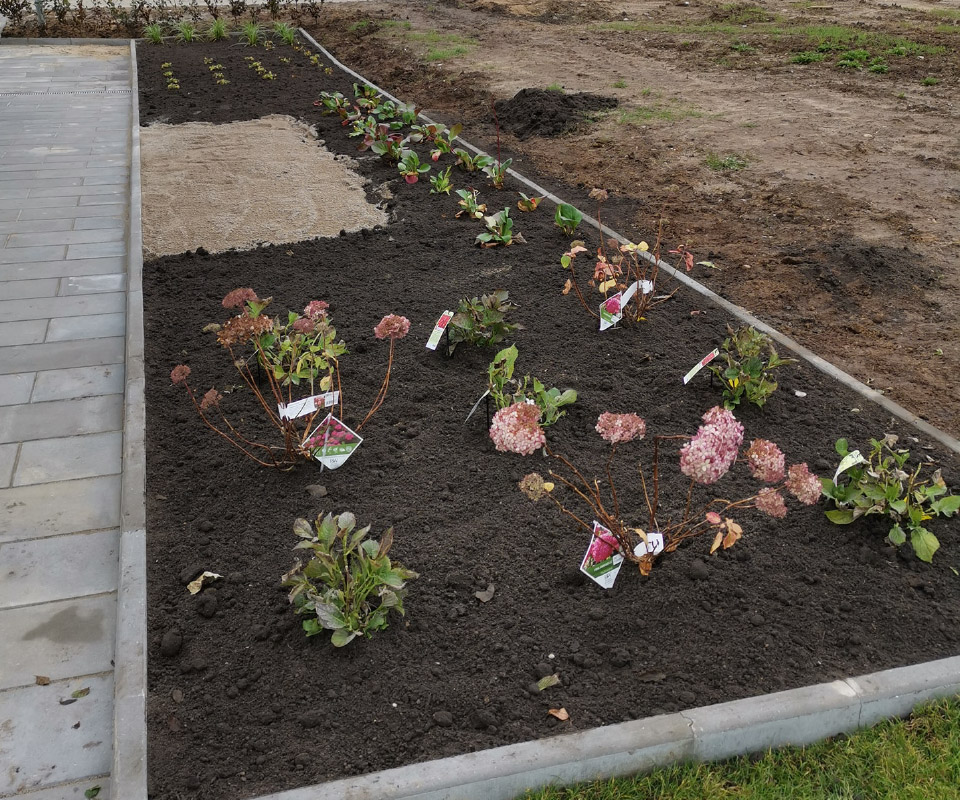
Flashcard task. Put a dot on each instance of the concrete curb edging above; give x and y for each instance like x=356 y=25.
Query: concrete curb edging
x=756 y=724
x=23 y=42
x=129 y=772
x=733 y=309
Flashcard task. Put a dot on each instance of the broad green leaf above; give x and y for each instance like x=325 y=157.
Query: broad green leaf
x=900 y=506
x=547 y=682
x=330 y=616
x=947 y=506
x=924 y=543
x=896 y=535
x=840 y=516
x=303 y=529
x=342 y=637
x=841 y=447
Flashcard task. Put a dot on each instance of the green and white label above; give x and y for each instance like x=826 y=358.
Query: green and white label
x=703 y=362
x=438 y=330
x=602 y=561
x=309 y=405
x=332 y=443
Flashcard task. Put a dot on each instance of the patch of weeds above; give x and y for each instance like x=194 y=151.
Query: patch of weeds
x=751 y=125
x=619 y=84
x=742 y=47
x=554 y=87
x=929 y=81
x=443 y=46
x=807 y=57
x=946 y=13
x=359 y=26
x=446 y=55
x=879 y=67
x=743 y=14
x=729 y=163
x=643 y=114
x=854 y=59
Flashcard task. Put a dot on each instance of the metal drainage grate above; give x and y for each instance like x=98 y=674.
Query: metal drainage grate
x=73 y=91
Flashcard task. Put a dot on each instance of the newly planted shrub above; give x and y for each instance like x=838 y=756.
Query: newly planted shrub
x=440 y=183
x=218 y=30
x=506 y=391
x=750 y=358
x=349 y=586
x=187 y=32
x=566 y=217
x=469 y=205
x=153 y=33
x=482 y=321
x=285 y=33
x=410 y=167
x=499 y=230
x=251 y=33
x=880 y=484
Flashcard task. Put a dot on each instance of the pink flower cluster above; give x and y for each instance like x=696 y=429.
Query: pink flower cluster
x=603 y=546
x=765 y=461
x=770 y=501
x=612 y=305
x=316 y=309
x=180 y=373
x=516 y=429
x=211 y=398
x=239 y=297
x=711 y=452
x=616 y=428
x=331 y=434
x=304 y=325
x=392 y=327
x=803 y=484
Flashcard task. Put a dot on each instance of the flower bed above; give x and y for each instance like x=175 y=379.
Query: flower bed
x=242 y=703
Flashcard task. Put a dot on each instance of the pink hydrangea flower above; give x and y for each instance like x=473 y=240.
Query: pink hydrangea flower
x=516 y=429
x=803 y=484
x=211 y=398
x=316 y=309
x=770 y=501
x=392 y=327
x=603 y=546
x=180 y=373
x=711 y=452
x=239 y=297
x=616 y=428
x=304 y=325
x=765 y=461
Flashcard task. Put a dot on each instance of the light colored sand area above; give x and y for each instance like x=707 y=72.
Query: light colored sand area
x=235 y=185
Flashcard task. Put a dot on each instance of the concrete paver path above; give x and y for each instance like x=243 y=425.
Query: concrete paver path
x=64 y=208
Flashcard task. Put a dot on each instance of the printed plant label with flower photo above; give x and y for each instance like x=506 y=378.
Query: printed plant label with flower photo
x=438 y=330
x=309 y=405
x=611 y=311
x=332 y=442
x=602 y=561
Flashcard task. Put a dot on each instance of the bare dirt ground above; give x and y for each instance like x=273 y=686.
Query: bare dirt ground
x=826 y=196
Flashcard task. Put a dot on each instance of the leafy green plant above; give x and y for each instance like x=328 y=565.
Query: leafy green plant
x=499 y=230
x=566 y=217
x=497 y=172
x=929 y=81
x=879 y=484
x=620 y=83
x=730 y=163
x=749 y=358
x=506 y=391
x=153 y=33
x=528 y=203
x=218 y=30
x=251 y=33
x=854 y=59
x=482 y=321
x=410 y=167
x=349 y=586
x=469 y=205
x=187 y=32
x=285 y=33
x=807 y=57
x=472 y=163
x=440 y=183
x=439 y=135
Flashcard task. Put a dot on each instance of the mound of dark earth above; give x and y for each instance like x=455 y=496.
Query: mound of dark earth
x=546 y=112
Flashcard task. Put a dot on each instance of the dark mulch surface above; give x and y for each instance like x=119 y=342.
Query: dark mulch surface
x=542 y=112
x=247 y=705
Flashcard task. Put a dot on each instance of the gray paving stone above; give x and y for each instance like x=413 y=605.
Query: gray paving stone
x=96 y=326
x=31 y=331
x=35 y=225
x=63 y=237
x=16 y=388
x=8 y=459
x=59 y=355
x=55 y=307
x=44 y=747
x=71 y=212
x=71 y=791
x=58 y=418
x=92 y=284
x=99 y=250
x=58 y=639
x=58 y=567
x=111 y=198
x=22 y=255
x=9 y=214
x=106 y=181
x=63 y=269
x=48 y=187
x=66 y=384
x=39 y=202
x=25 y=290
x=68 y=458
x=49 y=509
x=90 y=223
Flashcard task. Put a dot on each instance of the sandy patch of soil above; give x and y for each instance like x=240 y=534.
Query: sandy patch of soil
x=238 y=185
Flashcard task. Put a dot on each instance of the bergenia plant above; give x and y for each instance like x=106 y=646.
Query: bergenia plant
x=438 y=135
x=499 y=231
x=469 y=205
x=470 y=163
x=704 y=459
x=440 y=183
x=497 y=172
x=528 y=203
x=410 y=167
x=505 y=390
x=567 y=218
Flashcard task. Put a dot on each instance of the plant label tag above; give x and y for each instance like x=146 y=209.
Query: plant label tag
x=610 y=311
x=703 y=362
x=477 y=404
x=653 y=545
x=438 y=330
x=307 y=406
x=602 y=561
x=332 y=442
x=849 y=460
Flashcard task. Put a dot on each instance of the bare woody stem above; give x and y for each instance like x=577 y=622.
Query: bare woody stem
x=576 y=289
x=382 y=394
x=613 y=489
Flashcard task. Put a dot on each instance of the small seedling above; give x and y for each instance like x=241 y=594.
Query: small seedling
x=567 y=218
x=499 y=230
x=410 y=167
x=469 y=205
x=497 y=172
x=440 y=183
x=528 y=203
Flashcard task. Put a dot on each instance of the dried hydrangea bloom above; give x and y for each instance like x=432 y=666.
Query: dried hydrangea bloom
x=240 y=330
x=711 y=452
x=603 y=546
x=239 y=298
x=210 y=399
x=516 y=429
x=392 y=327
x=304 y=325
x=180 y=373
x=765 y=461
x=803 y=484
x=316 y=309
x=770 y=501
x=616 y=428
x=532 y=486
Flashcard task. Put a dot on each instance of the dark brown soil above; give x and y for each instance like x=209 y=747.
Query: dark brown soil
x=541 y=112
x=241 y=703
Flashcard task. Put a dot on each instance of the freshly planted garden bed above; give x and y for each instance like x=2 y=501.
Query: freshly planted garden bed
x=243 y=703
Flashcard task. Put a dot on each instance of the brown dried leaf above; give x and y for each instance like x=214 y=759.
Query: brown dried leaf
x=560 y=713
x=733 y=527
x=567 y=286
x=717 y=541
x=42 y=680
x=173 y=723
x=730 y=539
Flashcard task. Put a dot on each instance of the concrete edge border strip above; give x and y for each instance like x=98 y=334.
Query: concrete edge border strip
x=129 y=773
x=734 y=310
x=14 y=41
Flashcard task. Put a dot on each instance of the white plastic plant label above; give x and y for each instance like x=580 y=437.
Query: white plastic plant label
x=702 y=363
x=309 y=405
x=332 y=442
x=611 y=311
x=849 y=460
x=438 y=330
x=653 y=545
x=602 y=561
